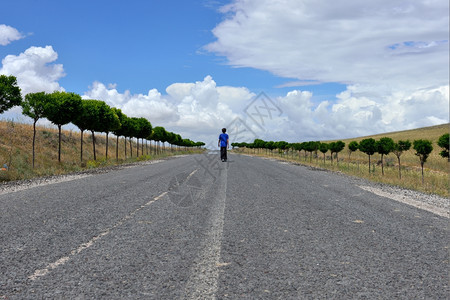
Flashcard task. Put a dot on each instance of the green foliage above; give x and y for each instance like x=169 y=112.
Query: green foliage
x=145 y=128
x=9 y=93
x=401 y=146
x=62 y=108
x=353 y=146
x=385 y=145
x=159 y=134
x=443 y=142
x=368 y=146
x=34 y=105
x=423 y=149
x=323 y=147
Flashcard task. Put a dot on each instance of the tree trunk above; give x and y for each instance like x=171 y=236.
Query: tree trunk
x=107 y=145
x=369 y=164
x=117 y=148
x=131 y=149
x=59 y=149
x=34 y=138
x=93 y=144
x=399 y=168
x=125 y=143
x=81 y=147
x=421 y=164
x=137 y=148
x=382 y=165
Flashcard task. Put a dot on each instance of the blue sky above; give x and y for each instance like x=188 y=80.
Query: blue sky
x=194 y=66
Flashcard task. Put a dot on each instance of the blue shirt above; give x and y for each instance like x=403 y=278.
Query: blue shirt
x=223 y=139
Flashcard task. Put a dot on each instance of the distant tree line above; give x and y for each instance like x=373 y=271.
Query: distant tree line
x=62 y=108
x=369 y=146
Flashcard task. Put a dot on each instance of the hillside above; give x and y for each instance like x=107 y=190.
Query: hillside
x=356 y=163
x=16 y=151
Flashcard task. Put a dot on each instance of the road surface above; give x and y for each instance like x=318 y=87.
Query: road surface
x=196 y=228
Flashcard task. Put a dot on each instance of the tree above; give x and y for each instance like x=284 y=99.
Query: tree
x=9 y=93
x=158 y=135
x=336 y=147
x=368 y=146
x=311 y=147
x=352 y=147
x=85 y=119
x=108 y=121
x=443 y=142
x=33 y=106
x=399 y=148
x=145 y=129
x=384 y=146
x=270 y=145
x=132 y=131
x=423 y=149
x=120 y=130
x=281 y=145
x=323 y=147
x=61 y=109
x=259 y=144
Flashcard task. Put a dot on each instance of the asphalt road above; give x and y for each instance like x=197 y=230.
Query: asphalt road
x=196 y=228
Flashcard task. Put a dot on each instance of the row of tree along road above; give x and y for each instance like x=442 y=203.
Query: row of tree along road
x=369 y=146
x=62 y=108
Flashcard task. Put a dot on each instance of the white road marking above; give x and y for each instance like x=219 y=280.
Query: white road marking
x=84 y=246
x=202 y=282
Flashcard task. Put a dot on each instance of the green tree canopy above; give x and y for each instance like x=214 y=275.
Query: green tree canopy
x=33 y=106
x=9 y=93
x=423 y=149
x=336 y=147
x=443 y=142
x=384 y=146
x=60 y=109
x=323 y=147
x=399 y=148
x=368 y=146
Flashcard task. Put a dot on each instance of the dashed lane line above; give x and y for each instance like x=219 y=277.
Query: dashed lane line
x=63 y=260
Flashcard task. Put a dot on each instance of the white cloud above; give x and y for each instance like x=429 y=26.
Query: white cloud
x=34 y=70
x=195 y=110
x=9 y=34
x=151 y=106
x=393 y=56
x=345 y=41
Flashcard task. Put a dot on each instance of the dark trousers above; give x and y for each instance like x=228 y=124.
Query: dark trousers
x=223 y=153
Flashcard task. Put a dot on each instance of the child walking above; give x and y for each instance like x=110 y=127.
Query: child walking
x=223 y=144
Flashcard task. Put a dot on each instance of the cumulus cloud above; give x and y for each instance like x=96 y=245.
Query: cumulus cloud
x=392 y=55
x=9 y=34
x=346 y=41
x=34 y=69
x=151 y=106
x=195 y=110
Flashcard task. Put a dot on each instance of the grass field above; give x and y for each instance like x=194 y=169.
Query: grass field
x=16 y=151
x=436 y=169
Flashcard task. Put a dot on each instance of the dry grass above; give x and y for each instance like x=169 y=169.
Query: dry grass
x=16 y=151
x=436 y=169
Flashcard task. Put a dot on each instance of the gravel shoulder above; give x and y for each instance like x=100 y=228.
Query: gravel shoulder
x=19 y=185
x=429 y=202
